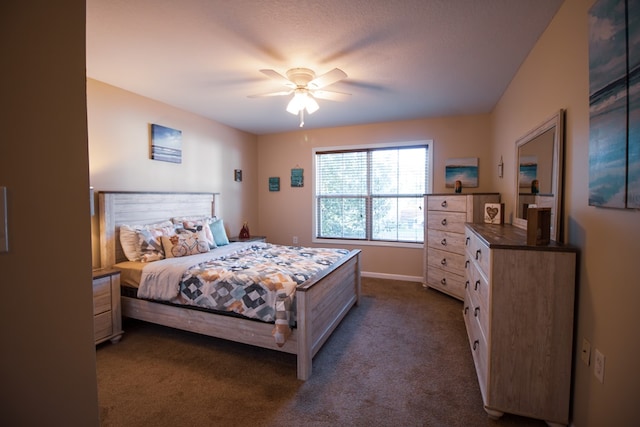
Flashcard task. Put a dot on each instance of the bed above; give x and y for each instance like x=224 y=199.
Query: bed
x=321 y=302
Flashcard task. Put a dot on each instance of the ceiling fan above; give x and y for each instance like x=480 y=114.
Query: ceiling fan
x=305 y=87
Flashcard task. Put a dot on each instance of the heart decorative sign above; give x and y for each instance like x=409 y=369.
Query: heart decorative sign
x=494 y=213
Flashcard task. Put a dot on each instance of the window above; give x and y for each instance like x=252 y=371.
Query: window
x=372 y=193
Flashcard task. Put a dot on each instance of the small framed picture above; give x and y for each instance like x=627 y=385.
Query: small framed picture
x=297 y=177
x=274 y=183
x=494 y=213
x=237 y=175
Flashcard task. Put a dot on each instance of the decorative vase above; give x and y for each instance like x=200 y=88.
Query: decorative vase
x=244 y=231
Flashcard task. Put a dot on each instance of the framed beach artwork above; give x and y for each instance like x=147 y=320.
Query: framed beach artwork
x=614 y=104
x=166 y=144
x=463 y=170
x=528 y=170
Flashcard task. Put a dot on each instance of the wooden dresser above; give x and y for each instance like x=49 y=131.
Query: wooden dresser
x=445 y=216
x=518 y=311
x=107 y=318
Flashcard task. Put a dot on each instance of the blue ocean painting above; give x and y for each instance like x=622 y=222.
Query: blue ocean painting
x=607 y=104
x=633 y=32
x=166 y=144
x=463 y=170
x=528 y=170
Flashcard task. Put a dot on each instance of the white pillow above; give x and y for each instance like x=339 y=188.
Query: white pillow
x=130 y=238
x=192 y=222
x=185 y=243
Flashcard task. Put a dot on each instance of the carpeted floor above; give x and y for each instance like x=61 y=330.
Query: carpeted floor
x=400 y=358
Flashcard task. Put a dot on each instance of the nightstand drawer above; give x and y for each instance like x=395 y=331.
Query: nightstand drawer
x=101 y=295
x=102 y=325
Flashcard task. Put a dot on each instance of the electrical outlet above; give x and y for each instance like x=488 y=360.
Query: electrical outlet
x=598 y=366
x=295 y=240
x=586 y=351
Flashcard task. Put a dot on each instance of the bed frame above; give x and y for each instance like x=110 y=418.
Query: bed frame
x=322 y=301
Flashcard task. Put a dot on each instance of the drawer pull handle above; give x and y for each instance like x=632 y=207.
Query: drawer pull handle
x=443 y=204
x=476 y=343
x=444 y=221
x=475 y=288
x=444 y=261
x=478 y=252
x=443 y=242
x=444 y=281
x=466 y=310
x=466 y=241
x=476 y=311
x=466 y=284
x=466 y=264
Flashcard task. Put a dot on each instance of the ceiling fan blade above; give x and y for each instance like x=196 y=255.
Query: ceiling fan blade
x=327 y=78
x=330 y=95
x=278 y=77
x=263 y=95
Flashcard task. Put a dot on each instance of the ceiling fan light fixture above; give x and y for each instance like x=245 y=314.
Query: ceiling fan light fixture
x=302 y=100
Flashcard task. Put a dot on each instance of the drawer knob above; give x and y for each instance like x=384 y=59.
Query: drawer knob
x=444 y=221
x=478 y=252
x=475 y=288
x=466 y=241
x=476 y=311
x=443 y=204
x=443 y=242
x=444 y=261
x=444 y=281
x=476 y=343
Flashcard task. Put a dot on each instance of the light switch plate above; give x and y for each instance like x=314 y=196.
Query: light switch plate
x=4 y=234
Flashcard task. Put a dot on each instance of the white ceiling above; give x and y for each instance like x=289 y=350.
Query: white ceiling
x=405 y=59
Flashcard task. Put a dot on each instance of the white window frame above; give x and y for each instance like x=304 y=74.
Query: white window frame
x=314 y=239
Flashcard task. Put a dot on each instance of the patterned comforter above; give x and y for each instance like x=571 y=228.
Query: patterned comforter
x=258 y=282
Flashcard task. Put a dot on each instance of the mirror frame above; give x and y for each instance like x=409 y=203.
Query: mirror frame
x=557 y=121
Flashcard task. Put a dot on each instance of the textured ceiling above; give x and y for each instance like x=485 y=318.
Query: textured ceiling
x=405 y=59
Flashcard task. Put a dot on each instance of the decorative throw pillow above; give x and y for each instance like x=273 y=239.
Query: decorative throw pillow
x=130 y=241
x=185 y=243
x=219 y=233
x=151 y=243
x=192 y=222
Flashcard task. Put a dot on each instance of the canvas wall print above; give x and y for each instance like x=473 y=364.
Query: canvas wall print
x=166 y=144
x=463 y=170
x=608 y=104
x=528 y=170
x=633 y=31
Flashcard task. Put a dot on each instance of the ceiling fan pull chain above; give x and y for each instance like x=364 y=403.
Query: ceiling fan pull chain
x=301 y=117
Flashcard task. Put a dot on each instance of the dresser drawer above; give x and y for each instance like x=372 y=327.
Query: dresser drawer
x=446 y=282
x=447 y=261
x=479 y=252
x=447 y=203
x=101 y=295
x=446 y=221
x=478 y=346
x=102 y=325
x=446 y=240
x=476 y=284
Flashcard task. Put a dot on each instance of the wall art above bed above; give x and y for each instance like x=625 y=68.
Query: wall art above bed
x=166 y=144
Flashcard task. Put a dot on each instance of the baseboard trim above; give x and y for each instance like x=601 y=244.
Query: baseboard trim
x=392 y=276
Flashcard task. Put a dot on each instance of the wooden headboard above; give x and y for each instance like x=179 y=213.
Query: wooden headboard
x=138 y=208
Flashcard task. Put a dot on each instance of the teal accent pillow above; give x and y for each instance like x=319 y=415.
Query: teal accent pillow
x=219 y=235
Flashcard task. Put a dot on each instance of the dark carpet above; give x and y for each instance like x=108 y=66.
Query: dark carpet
x=400 y=358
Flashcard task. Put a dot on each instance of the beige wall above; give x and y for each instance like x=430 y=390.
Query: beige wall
x=119 y=160
x=47 y=361
x=288 y=213
x=554 y=76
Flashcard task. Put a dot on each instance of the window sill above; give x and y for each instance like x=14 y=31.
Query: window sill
x=329 y=242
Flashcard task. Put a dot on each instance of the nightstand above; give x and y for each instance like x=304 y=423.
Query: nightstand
x=107 y=319
x=249 y=239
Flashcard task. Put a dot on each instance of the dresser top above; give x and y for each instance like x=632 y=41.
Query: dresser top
x=506 y=236
x=462 y=194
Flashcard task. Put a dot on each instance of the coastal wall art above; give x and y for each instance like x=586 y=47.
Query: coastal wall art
x=463 y=170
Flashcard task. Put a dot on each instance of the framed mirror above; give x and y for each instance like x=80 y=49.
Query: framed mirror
x=539 y=173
